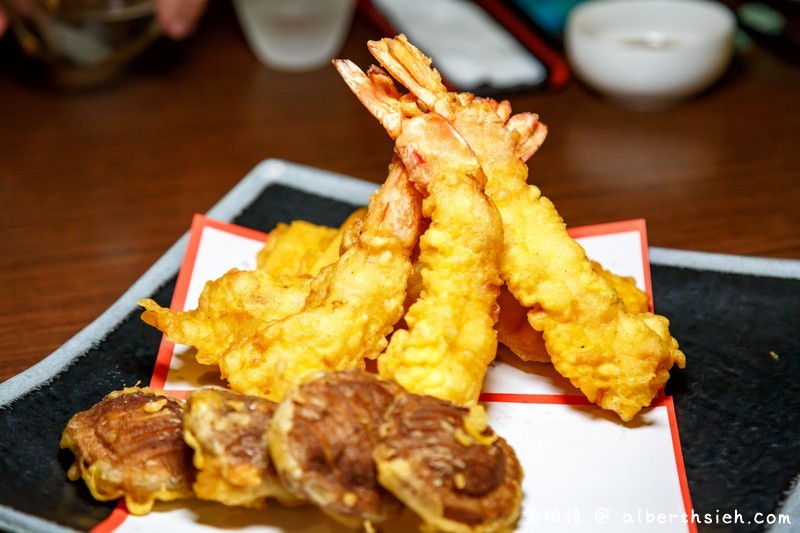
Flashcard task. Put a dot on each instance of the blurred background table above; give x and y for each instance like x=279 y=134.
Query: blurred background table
x=96 y=185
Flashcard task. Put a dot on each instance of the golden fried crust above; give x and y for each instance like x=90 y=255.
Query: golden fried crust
x=516 y=333
x=322 y=438
x=450 y=468
x=450 y=339
x=303 y=249
x=635 y=299
x=228 y=432
x=618 y=359
x=230 y=307
x=292 y=249
x=353 y=305
x=131 y=445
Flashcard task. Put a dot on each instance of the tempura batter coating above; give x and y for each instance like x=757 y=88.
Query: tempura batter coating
x=352 y=307
x=228 y=433
x=450 y=339
x=130 y=445
x=514 y=330
x=322 y=440
x=294 y=248
x=266 y=332
x=241 y=301
x=634 y=298
x=619 y=360
x=233 y=306
x=302 y=248
x=446 y=464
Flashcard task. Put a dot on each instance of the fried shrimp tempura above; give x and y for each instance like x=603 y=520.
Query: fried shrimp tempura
x=130 y=445
x=516 y=333
x=450 y=339
x=353 y=304
x=513 y=328
x=618 y=359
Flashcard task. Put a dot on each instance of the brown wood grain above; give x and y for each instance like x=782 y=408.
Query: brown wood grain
x=96 y=185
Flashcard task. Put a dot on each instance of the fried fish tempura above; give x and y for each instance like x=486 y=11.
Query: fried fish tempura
x=618 y=359
x=130 y=445
x=229 y=308
x=228 y=433
x=450 y=339
x=302 y=248
x=351 y=308
x=294 y=248
x=266 y=332
x=241 y=301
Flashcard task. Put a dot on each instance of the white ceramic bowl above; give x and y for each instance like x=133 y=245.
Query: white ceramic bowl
x=649 y=53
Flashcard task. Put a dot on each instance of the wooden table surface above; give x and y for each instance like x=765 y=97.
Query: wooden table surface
x=96 y=185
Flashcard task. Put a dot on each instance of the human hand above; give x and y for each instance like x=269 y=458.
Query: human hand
x=178 y=18
x=3 y=22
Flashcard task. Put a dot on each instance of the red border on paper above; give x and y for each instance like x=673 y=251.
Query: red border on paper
x=623 y=226
x=676 y=446
x=114 y=520
x=513 y=397
x=663 y=401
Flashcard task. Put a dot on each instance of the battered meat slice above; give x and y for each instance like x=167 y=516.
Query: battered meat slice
x=446 y=464
x=228 y=432
x=322 y=440
x=131 y=445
